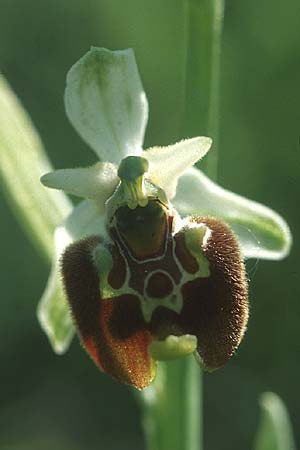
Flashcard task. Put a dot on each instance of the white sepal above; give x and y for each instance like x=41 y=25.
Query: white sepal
x=53 y=312
x=261 y=231
x=167 y=164
x=106 y=103
x=97 y=182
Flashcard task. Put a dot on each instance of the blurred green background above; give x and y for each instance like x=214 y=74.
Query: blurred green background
x=64 y=403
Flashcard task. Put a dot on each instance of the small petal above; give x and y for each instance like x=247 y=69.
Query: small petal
x=53 y=311
x=112 y=330
x=106 y=103
x=167 y=164
x=262 y=232
x=97 y=182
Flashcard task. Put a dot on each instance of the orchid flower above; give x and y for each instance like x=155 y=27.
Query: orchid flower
x=152 y=260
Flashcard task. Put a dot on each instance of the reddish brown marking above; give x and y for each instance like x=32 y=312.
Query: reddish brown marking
x=92 y=350
x=117 y=275
x=188 y=262
x=127 y=359
x=124 y=356
x=159 y=285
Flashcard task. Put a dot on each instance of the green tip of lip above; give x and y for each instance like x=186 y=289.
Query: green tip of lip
x=173 y=347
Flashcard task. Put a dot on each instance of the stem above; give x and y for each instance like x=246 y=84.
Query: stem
x=172 y=405
x=204 y=20
x=172 y=413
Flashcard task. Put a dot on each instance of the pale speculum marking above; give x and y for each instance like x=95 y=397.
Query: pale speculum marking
x=155 y=279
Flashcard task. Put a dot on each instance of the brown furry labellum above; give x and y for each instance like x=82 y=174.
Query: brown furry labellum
x=121 y=307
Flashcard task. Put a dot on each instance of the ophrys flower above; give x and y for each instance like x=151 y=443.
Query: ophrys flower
x=145 y=283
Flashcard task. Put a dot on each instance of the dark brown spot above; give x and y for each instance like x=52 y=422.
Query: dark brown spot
x=117 y=275
x=159 y=285
x=126 y=318
x=187 y=260
x=164 y=322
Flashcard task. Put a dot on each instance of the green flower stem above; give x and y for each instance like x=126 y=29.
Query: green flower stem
x=173 y=404
x=172 y=413
x=204 y=20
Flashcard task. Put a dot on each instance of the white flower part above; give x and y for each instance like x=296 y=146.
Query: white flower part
x=84 y=221
x=106 y=103
x=97 y=182
x=261 y=231
x=167 y=164
x=53 y=310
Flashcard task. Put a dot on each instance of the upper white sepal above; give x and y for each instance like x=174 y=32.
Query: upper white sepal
x=106 y=103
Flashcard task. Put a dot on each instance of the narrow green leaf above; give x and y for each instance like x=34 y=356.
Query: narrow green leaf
x=275 y=430
x=22 y=162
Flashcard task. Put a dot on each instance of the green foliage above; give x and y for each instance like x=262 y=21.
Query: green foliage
x=259 y=157
x=22 y=162
x=275 y=430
